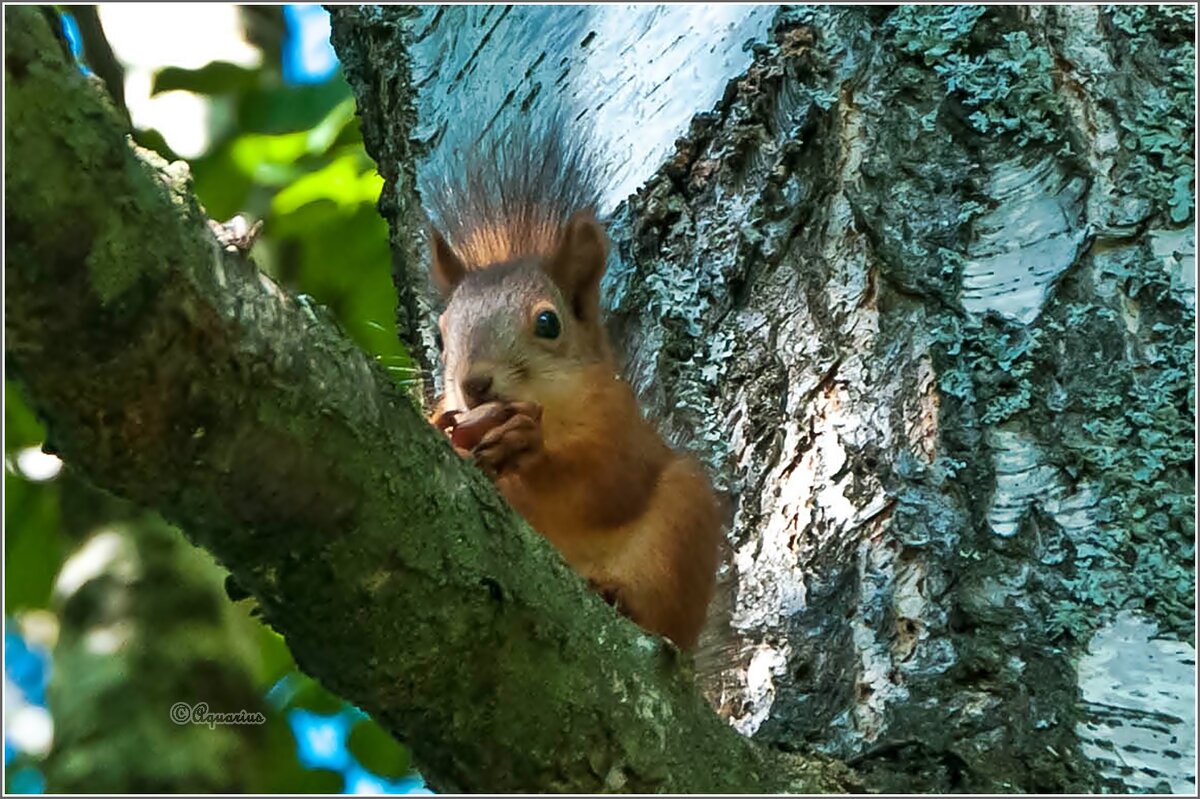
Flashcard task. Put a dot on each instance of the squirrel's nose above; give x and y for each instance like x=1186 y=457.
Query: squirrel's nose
x=476 y=389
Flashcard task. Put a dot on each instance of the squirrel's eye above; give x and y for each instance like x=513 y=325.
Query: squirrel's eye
x=546 y=325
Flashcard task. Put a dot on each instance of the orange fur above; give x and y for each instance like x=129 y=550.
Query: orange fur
x=627 y=513
x=494 y=243
x=636 y=519
x=631 y=516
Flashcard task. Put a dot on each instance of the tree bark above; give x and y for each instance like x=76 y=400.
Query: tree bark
x=920 y=287
x=387 y=114
x=99 y=55
x=171 y=372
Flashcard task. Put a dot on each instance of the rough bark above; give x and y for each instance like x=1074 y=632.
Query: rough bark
x=921 y=287
x=938 y=351
x=387 y=114
x=99 y=55
x=171 y=372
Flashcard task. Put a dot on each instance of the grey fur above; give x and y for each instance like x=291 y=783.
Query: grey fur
x=510 y=193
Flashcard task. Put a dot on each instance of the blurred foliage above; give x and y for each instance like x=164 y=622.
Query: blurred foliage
x=292 y=156
x=34 y=546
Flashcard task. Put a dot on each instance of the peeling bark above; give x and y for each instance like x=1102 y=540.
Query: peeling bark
x=892 y=348
x=920 y=286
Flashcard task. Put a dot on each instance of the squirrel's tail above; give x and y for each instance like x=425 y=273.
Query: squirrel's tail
x=507 y=195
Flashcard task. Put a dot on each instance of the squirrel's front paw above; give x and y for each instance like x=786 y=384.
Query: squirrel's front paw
x=615 y=595
x=609 y=592
x=513 y=445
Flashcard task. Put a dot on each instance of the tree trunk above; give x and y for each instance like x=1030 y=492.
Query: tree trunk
x=920 y=286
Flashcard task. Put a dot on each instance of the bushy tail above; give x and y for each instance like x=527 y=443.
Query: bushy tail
x=507 y=195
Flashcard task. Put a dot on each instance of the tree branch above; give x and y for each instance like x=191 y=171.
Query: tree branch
x=173 y=373
x=98 y=54
x=382 y=101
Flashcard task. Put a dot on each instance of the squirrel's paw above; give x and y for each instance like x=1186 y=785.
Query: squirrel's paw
x=512 y=445
x=609 y=592
x=614 y=595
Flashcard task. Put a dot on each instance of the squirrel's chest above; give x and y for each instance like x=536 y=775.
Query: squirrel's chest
x=589 y=548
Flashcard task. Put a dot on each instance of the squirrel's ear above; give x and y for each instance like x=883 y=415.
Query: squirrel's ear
x=447 y=269
x=578 y=264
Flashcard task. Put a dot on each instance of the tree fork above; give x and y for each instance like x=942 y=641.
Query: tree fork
x=173 y=373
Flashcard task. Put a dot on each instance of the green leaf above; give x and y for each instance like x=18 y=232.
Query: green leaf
x=281 y=772
x=272 y=159
x=218 y=77
x=288 y=109
x=223 y=187
x=33 y=546
x=342 y=260
x=327 y=131
x=151 y=139
x=312 y=696
x=21 y=426
x=341 y=182
x=257 y=154
x=275 y=658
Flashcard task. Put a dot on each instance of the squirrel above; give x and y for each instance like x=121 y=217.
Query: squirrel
x=531 y=391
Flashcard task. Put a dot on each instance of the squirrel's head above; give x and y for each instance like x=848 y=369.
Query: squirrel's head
x=523 y=329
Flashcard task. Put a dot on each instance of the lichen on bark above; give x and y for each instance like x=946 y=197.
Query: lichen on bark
x=891 y=212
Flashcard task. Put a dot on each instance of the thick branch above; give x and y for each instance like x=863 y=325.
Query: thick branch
x=384 y=100
x=176 y=375
x=99 y=55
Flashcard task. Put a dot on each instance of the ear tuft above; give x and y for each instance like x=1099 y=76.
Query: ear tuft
x=578 y=264
x=448 y=269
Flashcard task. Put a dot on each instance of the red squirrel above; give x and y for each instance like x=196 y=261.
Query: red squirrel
x=532 y=394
